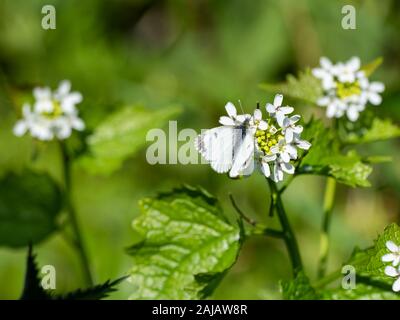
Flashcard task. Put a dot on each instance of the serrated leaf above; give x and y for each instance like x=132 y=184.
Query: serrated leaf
x=380 y=129
x=305 y=87
x=29 y=204
x=325 y=158
x=368 y=263
x=120 y=135
x=97 y=292
x=299 y=289
x=185 y=236
x=33 y=289
x=370 y=68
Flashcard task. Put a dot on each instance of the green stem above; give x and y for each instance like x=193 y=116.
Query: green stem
x=287 y=232
x=66 y=161
x=329 y=199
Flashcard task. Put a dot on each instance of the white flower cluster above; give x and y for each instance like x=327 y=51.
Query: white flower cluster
x=347 y=89
x=271 y=144
x=277 y=141
x=394 y=269
x=53 y=115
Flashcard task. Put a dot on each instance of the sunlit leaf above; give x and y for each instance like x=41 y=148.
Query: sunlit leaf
x=305 y=87
x=379 y=129
x=325 y=158
x=187 y=246
x=372 y=66
x=120 y=135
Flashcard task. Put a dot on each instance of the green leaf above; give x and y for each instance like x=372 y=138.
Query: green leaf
x=370 y=68
x=360 y=292
x=33 y=289
x=299 y=288
x=379 y=129
x=121 y=135
x=368 y=263
x=187 y=246
x=29 y=204
x=97 y=292
x=325 y=158
x=305 y=87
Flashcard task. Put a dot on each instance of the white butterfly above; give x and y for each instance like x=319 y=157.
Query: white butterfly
x=229 y=147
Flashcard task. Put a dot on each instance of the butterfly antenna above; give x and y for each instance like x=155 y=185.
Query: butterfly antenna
x=240 y=104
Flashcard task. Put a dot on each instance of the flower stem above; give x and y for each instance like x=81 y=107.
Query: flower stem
x=329 y=198
x=66 y=162
x=287 y=232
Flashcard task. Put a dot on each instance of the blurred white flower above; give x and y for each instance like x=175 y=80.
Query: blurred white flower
x=346 y=88
x=54 y=114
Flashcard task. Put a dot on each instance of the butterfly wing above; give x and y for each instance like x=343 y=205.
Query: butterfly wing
x=216 y=146
x=243 y=157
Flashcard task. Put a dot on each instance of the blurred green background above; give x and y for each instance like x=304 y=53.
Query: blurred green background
x=199 y=55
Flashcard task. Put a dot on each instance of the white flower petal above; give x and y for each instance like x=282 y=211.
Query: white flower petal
x=289 y=135
x=269 y=158
x=285 y=157
x=295 y=118
x=325 y=63
x=226 y=121
x=392 y=246
x=318 y=73
x=77 y=124
x=331 y=110
x=388 y=257
x=265 y=169
x=303 y=144
x=270 y=108
x=352 y=113
x=323 y=101
x=42 y=93
x=396 y=260
x=281 y=118
x=377 y=86
x=230 y=109
x=374 y=98
x=354 y=63
x=391 y=271
x=396 y=285
x=278 y=100
x=286 y=110
x=263 y=125
x=257 y=114
x=41 y=106
x=64 y=88
x=288 y=168
x=20 y=128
